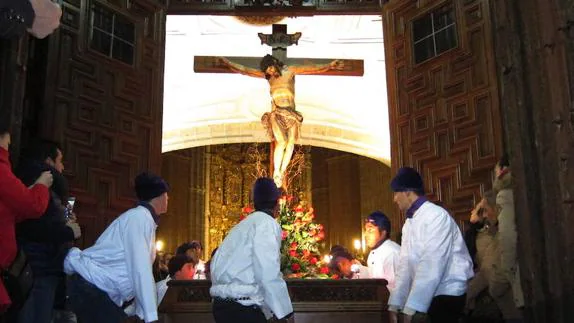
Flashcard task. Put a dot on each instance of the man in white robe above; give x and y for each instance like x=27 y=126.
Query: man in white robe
x=384 y=255
x=245 y=270
x=117 y=270
x=434 y=263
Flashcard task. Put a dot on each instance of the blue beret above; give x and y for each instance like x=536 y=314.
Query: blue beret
x=265 y=193
x=407 y=179
x=149 y=186
x=379 y=219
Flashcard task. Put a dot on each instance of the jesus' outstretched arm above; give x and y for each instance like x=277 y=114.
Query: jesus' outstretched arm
x=241 y=69
x=319 y=68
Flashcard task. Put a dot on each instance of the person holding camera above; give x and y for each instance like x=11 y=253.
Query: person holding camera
x=17 y=203
x=46 y=240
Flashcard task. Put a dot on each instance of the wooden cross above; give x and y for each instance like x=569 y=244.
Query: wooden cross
x=279 y=40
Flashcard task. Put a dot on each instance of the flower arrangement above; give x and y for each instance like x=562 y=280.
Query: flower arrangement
x=301 y=236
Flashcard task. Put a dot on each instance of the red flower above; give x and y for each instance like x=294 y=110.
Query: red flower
x=335 y=276
x=247 y=209
x=242 y=217
x=299 y=209
x=284 y=235
x=324 y=270
x=293 y=245
x=289 y=198
x=296 y=267
x=321 y=235
x=313 y=261
x=306 y=253
x=293 y=253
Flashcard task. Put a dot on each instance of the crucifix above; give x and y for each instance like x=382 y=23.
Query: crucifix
x=283 y=123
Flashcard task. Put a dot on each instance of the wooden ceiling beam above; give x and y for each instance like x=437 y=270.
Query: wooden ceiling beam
x=223 y=9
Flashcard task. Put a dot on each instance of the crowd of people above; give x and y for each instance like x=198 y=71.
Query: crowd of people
x=480 y=275
x=38 y=228
x=435 y=273
x=431 y=275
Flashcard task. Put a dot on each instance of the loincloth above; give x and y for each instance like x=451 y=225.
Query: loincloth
x=286 y=118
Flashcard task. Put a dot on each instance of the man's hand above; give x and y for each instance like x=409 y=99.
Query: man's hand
x=72 y=217
x=474 y=217
x=75 y=228
x=477 y=213
x=45 y=179
x=337 y=65
x=47 y=18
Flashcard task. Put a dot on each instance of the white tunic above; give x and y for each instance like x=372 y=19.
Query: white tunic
x=247 y=264
x=161 y=287
x=433 y=260
x=362 y=273
x=383 y=262
x=120 y=262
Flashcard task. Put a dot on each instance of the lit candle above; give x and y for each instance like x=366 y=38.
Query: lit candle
x=159 y=245
x=357 y=243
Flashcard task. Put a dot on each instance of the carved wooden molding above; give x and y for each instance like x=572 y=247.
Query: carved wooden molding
x=310 y=294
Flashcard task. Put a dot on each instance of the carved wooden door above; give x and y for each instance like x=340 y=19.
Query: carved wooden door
x=443 y=97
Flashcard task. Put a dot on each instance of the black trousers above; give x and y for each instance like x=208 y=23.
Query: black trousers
x=446 y=309
x=91 y=304
x=228 y=311
x=11 y=316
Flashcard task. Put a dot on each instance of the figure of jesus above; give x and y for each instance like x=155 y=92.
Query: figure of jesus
x=283 y=123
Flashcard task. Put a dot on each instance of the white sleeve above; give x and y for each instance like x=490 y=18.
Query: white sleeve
x=138 y=241
x=267 y=267
x=435 y=249
x=403 y=278
x=390 y=268
x=161 y=289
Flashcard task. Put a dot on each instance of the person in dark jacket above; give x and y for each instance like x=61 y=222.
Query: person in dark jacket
x=17 y=203
x=47 y=240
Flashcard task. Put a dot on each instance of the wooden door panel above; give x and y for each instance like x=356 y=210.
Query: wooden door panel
x=444 y=112
x=106 y=113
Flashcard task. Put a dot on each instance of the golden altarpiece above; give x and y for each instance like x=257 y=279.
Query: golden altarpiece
x=231 y=170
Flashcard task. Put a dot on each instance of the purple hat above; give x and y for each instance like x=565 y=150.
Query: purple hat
x=265 y=193
x=149 y=186
x=408 y=179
